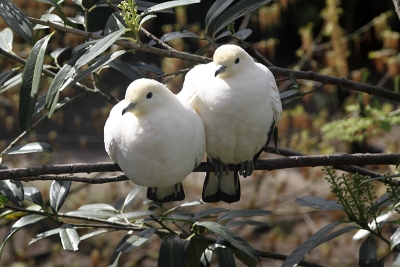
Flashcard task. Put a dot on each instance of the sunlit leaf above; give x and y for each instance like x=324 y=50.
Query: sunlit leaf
x=146 y=18
x=92 y=213
x=97 y=206
x=30 y=82
x=13 y=190
x=53 y=18
x=318 y=203
x=395 y=239
x=367 y=255
x=137 y=214
x=58 y=192
x=130 y=198
x=301 y=251
x=242 y=213
x=69 y=237
x=91 y=234
x=4 y=76
x=175 y=35
x=230 y=237
x=170 y=4
x=33 y=195
x=243 y=34
x=28 y=219
x=34 y=147
x=99 y=47
x=14 y=81
x=116 y=254
x=16 y=19
x=45 y=234
x=114 y=23
x=137 y=240
x=57 y=6
x=171 y=252
x=6 y=39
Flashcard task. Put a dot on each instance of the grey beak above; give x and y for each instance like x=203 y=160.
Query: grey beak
x=128 y=107
x=221 y=68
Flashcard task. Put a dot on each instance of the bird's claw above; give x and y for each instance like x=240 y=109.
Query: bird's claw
x=246 y=168
x=220 y=168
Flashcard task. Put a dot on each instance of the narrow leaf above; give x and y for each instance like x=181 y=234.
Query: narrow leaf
x=28 y=219
x=169 y=4
x=171 y=252
x=193 y=250
x=13 y=190
x=207 y=213
x=45 y=234
x=6 y=39
x=92 y=213
x=98 y=232
x=318 y=203
x=16 y=19
x=231 y=237
x=69 y=237
x=300 y=252
x=99 y=47
x=338 y=233
x=137 y=240
x=138 y=214
x=147 y=67
x=4 y=76
x=146 y=18
x=239 y=10
x=130 y=198
x=30 y=82
x=127 y=69
x=243 y=34
x=175 y=35
x=242 y=213
x=116 y=254
x=97 y=206
x=233 y=223
x=57 y=52
x=34 y=147
x=14 y=81
x=367 y=255
x=58 y=192
x=59 y=9
x=33 y=195
x=215 y=10
x=114 y=23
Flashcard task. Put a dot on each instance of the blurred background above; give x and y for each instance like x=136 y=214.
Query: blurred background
x=356 y=39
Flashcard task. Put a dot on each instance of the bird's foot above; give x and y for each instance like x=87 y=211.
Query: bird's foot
x=220 y=168
x=246 y=168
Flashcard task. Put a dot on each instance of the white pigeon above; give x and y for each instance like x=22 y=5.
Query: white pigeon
x=239 y=102
x=155 y=138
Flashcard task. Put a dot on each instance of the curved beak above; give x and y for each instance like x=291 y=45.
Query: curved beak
x=221 y=68
x=128 y=107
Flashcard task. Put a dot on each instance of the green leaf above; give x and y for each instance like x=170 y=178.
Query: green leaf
x=55 y=87
x=241 y=213
x=13 y=190
x=30 y=82
x=395 y=239
x=243 y=34
x=34 y=147
x=186 y=204
x=98 y=232
x=14 y=81
x=300 y=252
x=69 y=237
x=33 y=195
x=16 y=19
x=99 y=47
x=92 y=213
x=6 y=39
x=338 y=233
x=367 y=255
x=137 y=240
x=114 y=23
x=97 y=206
x=146 y=18
x=116 y=254
x=176 y=35
x=169 y=4
x=396 y=83
x=238 y=10
x=224 y=256
x=207 y=213
x=130 y=198
x=4 y=76
x=318 y=203
x=59 y=9
x=28 y=219
x=171 y=252
x=53 y=18
x=58 y=192
x=147 y=67
x=193 y=250
x=45 y=234
x=248 y=222
x=127 y=69
x=215 y=10
x=231 y=237
x=137 y=214
x=249 y=261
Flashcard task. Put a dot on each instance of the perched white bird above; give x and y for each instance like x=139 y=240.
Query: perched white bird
x=239 y=102
x=155 y=138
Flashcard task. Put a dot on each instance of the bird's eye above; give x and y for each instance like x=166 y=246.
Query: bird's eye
x=237 y=60
x=149 y=95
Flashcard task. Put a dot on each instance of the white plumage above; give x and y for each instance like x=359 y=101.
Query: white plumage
x=155 y=138
x=239 y=102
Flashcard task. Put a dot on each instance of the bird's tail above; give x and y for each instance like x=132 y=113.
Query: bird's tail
x=226 y=188
x=166 y=194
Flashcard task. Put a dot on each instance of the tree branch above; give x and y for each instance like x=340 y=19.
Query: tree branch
x=343 y=160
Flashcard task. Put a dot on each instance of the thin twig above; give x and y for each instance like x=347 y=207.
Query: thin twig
x=171 y=74
x=155 y=39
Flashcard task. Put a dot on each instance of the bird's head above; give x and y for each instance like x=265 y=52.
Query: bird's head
x=230 y=60
x=144 y=95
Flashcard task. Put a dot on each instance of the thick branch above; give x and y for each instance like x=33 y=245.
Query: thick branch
x=268 y=164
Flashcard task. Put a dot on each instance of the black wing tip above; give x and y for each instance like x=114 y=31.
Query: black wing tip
x=219 y=195
x=178 y=195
